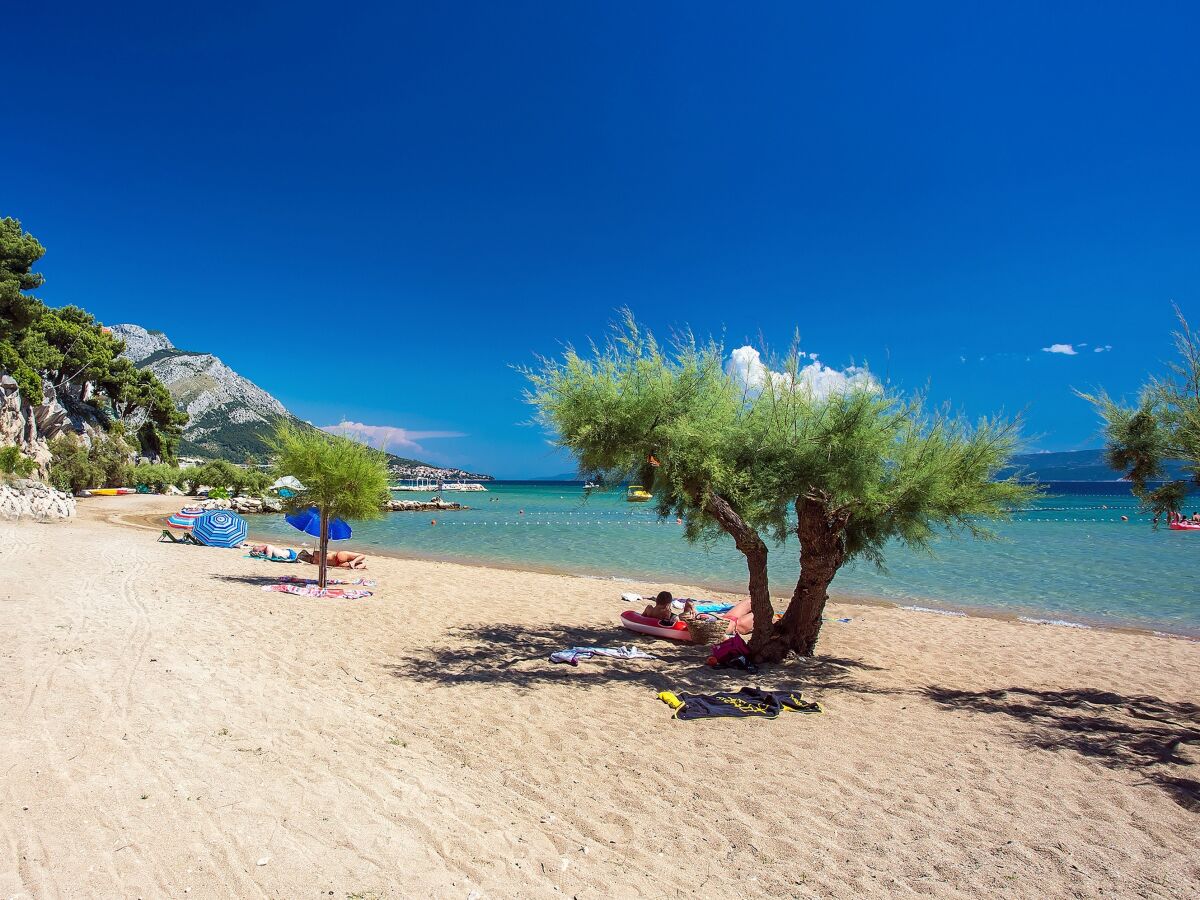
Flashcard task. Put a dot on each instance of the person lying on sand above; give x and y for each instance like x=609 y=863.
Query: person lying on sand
x=741 y=619
x=270 y=551
x=341 y=559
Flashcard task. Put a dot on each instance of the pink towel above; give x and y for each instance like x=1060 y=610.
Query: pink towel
x=312 y=591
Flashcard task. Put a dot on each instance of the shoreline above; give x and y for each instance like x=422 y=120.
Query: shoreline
x=922 y=606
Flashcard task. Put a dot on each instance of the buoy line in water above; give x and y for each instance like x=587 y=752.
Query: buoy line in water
x=534 y=522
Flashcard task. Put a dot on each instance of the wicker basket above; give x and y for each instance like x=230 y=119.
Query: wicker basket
x=707 y=629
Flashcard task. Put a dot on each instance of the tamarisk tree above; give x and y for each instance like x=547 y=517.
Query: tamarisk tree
x=829 y=456
x=342 y=478
x=1164 y=426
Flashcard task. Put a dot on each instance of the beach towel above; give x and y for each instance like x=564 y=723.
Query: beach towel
x=294 y=557
x=748 y=703
x=713 y=607
x=304 y=590
x=296 y=579
x=573 y=655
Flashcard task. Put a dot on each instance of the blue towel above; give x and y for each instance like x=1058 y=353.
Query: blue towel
x=713 y=607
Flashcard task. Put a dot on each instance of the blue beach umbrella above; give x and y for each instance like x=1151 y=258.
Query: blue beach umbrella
x=309 y=521
x=219 y=528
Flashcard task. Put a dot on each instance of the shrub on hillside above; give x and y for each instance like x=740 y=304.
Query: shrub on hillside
x=14 y=462
x=77 y=467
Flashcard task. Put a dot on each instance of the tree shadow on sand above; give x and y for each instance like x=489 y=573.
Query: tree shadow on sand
x=1138 y=733
x=518 y=655
x=256 y=580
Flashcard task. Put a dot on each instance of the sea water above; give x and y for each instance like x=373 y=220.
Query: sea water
x=1068 y=558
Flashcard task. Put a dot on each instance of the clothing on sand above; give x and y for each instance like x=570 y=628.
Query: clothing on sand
x=573 y=655
x=748 y=703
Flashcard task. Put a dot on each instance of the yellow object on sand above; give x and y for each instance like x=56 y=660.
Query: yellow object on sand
x=104 y=492
x=670 y=698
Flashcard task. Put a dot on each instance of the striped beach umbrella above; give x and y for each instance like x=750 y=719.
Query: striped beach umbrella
x=185 y=518
x=220 y=528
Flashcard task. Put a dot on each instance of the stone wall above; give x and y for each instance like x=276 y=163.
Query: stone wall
x=23 y=499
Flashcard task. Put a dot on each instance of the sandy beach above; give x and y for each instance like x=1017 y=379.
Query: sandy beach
x=172 y=730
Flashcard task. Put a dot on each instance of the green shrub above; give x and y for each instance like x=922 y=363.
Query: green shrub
x=252 y=481
x=189 y=479
x=112 y=455
x=14 y=462
x=219 y=473
x=155 y=475
x=76 y=467
x=71 y=466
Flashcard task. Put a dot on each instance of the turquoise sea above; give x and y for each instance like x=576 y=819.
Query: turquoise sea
x=1069 y=558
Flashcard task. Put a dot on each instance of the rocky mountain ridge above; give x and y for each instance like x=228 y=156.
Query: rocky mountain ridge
x=229 y=415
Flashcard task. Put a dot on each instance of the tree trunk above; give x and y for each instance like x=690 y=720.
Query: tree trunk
x=755 y=550
x=324 y=550
x=822 y=552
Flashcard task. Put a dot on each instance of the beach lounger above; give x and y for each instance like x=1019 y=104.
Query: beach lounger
x=185 y=538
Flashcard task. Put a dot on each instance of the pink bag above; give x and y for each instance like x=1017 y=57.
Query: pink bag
x=728 y=649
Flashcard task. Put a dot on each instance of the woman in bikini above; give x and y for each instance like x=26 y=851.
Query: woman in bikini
x=270 y=551
x=340 y=559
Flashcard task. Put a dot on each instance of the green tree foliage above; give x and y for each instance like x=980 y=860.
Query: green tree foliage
x=219 y=474
x=77 y=467
x=14 y=462
x=19 y=252
x=253 y=482
x=190 y=478
x=72 y=468
x=342 y=478
x=845 y=471
x=156 y=476
x=1164 y=425
x=68 y=348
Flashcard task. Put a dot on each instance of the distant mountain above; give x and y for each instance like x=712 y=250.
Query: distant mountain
x=565 y=476
x=1075 y=465
x=229 y=416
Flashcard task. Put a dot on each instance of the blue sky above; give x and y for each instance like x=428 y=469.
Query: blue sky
x=433 y=195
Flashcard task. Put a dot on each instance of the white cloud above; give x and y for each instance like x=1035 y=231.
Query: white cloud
x=1103 y=349
x=387 y=437
x=746 y=367
x=1065 y=349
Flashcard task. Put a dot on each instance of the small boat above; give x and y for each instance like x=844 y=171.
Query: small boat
x=638 y=494
x=1184 y=526
x=590 y=485
x=645 y=625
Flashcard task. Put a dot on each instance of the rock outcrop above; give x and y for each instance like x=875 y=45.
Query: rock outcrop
x=24 y=499
x=31 y=427
x=422 y=505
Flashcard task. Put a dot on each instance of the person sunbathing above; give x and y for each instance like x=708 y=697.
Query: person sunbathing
x=741 y=618
x=666 y=609
x=340 y=559
x=270 y=551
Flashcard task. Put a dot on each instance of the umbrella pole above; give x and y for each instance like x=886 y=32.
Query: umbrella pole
x=324 y=545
